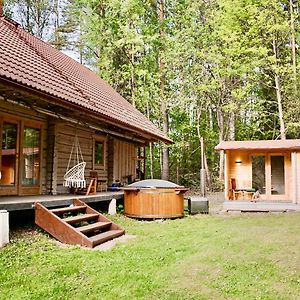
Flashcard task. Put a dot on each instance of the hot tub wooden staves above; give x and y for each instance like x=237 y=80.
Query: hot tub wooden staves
x=154 y=203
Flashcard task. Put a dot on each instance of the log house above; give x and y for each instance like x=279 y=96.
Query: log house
x=46 y=99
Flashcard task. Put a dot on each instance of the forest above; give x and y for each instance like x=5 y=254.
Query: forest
x=211 y=69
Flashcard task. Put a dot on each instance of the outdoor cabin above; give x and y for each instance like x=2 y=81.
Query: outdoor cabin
x=262 y=171
x=47 y=102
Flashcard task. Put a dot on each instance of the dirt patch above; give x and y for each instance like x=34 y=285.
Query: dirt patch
x=102 y=247
x=110 y=244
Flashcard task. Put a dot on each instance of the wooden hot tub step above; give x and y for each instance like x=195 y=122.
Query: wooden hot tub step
x=105 y=236
x=92 y=227
x=64 y=210
x=64 y=229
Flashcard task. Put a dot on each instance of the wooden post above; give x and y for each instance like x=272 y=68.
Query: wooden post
x=139 y=163
x=202 y=171
x=4 y=228
x=112 y=208
x=226 y=190
x=294 y=178
x=144 y=167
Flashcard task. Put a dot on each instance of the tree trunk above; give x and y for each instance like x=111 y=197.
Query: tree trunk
x=221 y=138
x=177 y=172
x=279 y=103
x=231 y=135
x=132 y=73
x=208 y=180
x=293 y=42
x=278 y=93
x=151 y=159
x=150 y=146
x=164 y=110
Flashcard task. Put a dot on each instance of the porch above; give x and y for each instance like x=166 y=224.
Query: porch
x=19 y=203
x=260 y=206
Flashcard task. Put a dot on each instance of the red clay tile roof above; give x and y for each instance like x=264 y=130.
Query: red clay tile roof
x=28 y=61
x=259 y=145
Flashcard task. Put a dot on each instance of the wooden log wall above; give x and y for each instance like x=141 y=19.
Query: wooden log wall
x=124 y=161
x=57 y=140
x=23 y=113
x=65 y=137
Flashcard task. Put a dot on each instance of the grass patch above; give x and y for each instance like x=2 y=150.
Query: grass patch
x=251 y=256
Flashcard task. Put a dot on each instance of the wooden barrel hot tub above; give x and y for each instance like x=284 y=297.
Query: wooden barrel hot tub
x=154 y=199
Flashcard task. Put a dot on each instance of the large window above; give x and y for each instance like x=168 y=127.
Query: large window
x=259 y=173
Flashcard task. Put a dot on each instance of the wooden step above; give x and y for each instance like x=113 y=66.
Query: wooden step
x=64 y=229
x=92 y=227
x=105 y=236
x=80 y=218
x=64 y=210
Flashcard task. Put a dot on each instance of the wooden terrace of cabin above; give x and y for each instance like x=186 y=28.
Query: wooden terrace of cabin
x=46 y=99
x=261 y=175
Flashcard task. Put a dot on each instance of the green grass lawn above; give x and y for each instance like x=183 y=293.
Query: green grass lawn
x=250 y=256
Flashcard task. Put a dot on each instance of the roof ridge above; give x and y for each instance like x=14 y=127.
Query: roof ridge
x=57 y=69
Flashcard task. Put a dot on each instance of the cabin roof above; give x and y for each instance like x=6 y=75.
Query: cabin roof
x=34 y=64
x=259 y=145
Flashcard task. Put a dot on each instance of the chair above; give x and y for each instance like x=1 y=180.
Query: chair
x=92 y=187
x=234 y=190
x=244 y=191
x=75 y=176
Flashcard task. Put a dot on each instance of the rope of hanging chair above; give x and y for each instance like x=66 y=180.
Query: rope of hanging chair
x=77 y=146
x=74 y=176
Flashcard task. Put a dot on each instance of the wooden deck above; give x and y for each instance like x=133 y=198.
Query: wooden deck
x=260 y=206
x=14 y=203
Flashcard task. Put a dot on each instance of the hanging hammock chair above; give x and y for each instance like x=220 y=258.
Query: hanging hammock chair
x=74 y=177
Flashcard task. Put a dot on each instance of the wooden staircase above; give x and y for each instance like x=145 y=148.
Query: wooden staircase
x=78 y=224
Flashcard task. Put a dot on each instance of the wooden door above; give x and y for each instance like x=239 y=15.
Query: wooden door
x=9 y=160
x=20 y=159
x=30 y=158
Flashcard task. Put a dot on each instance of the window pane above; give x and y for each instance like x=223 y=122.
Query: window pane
x=31 y=156
x=259 y=174
x=277 y=175
x=99 y=153
x=9 y=151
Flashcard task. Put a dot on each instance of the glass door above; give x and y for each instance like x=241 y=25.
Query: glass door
x=20 y=156
x=9 y=157
x=277 y=174
x=259 y=173
x=30 y=160
x=269 y=173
